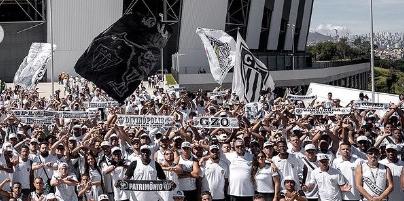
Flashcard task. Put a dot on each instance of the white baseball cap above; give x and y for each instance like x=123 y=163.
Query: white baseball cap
x=103 y=197
x=144 y=135
x=309 y=147
x=145 y=147
x=186 y=144
x=268 y=143
x=362 y=138
x=12 y=135
x=62 y=165
x=393 y=146
x=213 y=147
x=105 y=143
x=288 y=178
x=115 y=149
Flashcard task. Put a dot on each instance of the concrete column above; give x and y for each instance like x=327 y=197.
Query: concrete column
x=357 y=81
x=364 y=80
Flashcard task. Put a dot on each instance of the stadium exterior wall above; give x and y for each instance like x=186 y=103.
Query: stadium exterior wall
x=355 y=76
x=15 y=46
x=75 y=24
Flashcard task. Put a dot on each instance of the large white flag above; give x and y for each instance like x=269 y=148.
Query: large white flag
x=250 y=75
x=33 y=68
x=220 y=49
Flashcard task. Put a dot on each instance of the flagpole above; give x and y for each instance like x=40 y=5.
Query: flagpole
x=51 y=39
x=372 y=57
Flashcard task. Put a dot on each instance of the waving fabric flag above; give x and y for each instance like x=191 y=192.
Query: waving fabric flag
x=123 y=55
x=220 y=50
x=33 y=67
x=250 y=75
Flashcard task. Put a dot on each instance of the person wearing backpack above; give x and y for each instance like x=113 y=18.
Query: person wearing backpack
x=145 y=169
x=373 y=180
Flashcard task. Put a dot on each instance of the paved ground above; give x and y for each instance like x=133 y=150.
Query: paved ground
x=45 y=89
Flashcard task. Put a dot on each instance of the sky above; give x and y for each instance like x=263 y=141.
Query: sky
x=353 y=16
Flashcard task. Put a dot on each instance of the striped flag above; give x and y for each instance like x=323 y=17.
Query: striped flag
x=250 y=75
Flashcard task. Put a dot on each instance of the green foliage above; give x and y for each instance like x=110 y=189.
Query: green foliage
x=341 y=50
x=389 y=63
x=389 y=80
x=170 y=79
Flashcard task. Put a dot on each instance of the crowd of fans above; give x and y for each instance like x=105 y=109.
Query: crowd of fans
x=275 y=156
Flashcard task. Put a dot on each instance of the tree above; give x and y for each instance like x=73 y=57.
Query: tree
x=391 y=80
x=343 y=50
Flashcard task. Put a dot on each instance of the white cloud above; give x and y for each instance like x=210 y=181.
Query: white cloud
x=330 y=29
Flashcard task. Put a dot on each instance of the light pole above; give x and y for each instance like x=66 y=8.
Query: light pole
x=178 y=60
x=372 y=57
x=292 y=26
x=51 y=39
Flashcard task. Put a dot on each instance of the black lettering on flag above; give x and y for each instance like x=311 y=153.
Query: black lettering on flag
x=254 y=76
x=122 y=56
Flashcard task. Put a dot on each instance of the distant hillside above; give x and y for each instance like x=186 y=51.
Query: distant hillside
x=315 y=37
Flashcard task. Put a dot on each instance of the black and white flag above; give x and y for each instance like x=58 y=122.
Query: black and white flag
x=221 y=51
x=125 y=54
x=250 y=76
x=33 y=67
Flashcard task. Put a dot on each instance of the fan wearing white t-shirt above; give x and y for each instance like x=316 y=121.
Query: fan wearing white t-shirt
x=64 y=183
x=117 y=170
x=295 y=146
x=191 y=171
x=346 y=164
x=43 y=165
x=23 y=172
x=241 y=187
x=215 y=174
x=267 y=182
x=310 y=164
x=171 y=170
x=396 y=167
x=145 y=169
x=329 y=180
x=288 y=164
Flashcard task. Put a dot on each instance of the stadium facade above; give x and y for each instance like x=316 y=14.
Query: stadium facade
x=275 y=30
